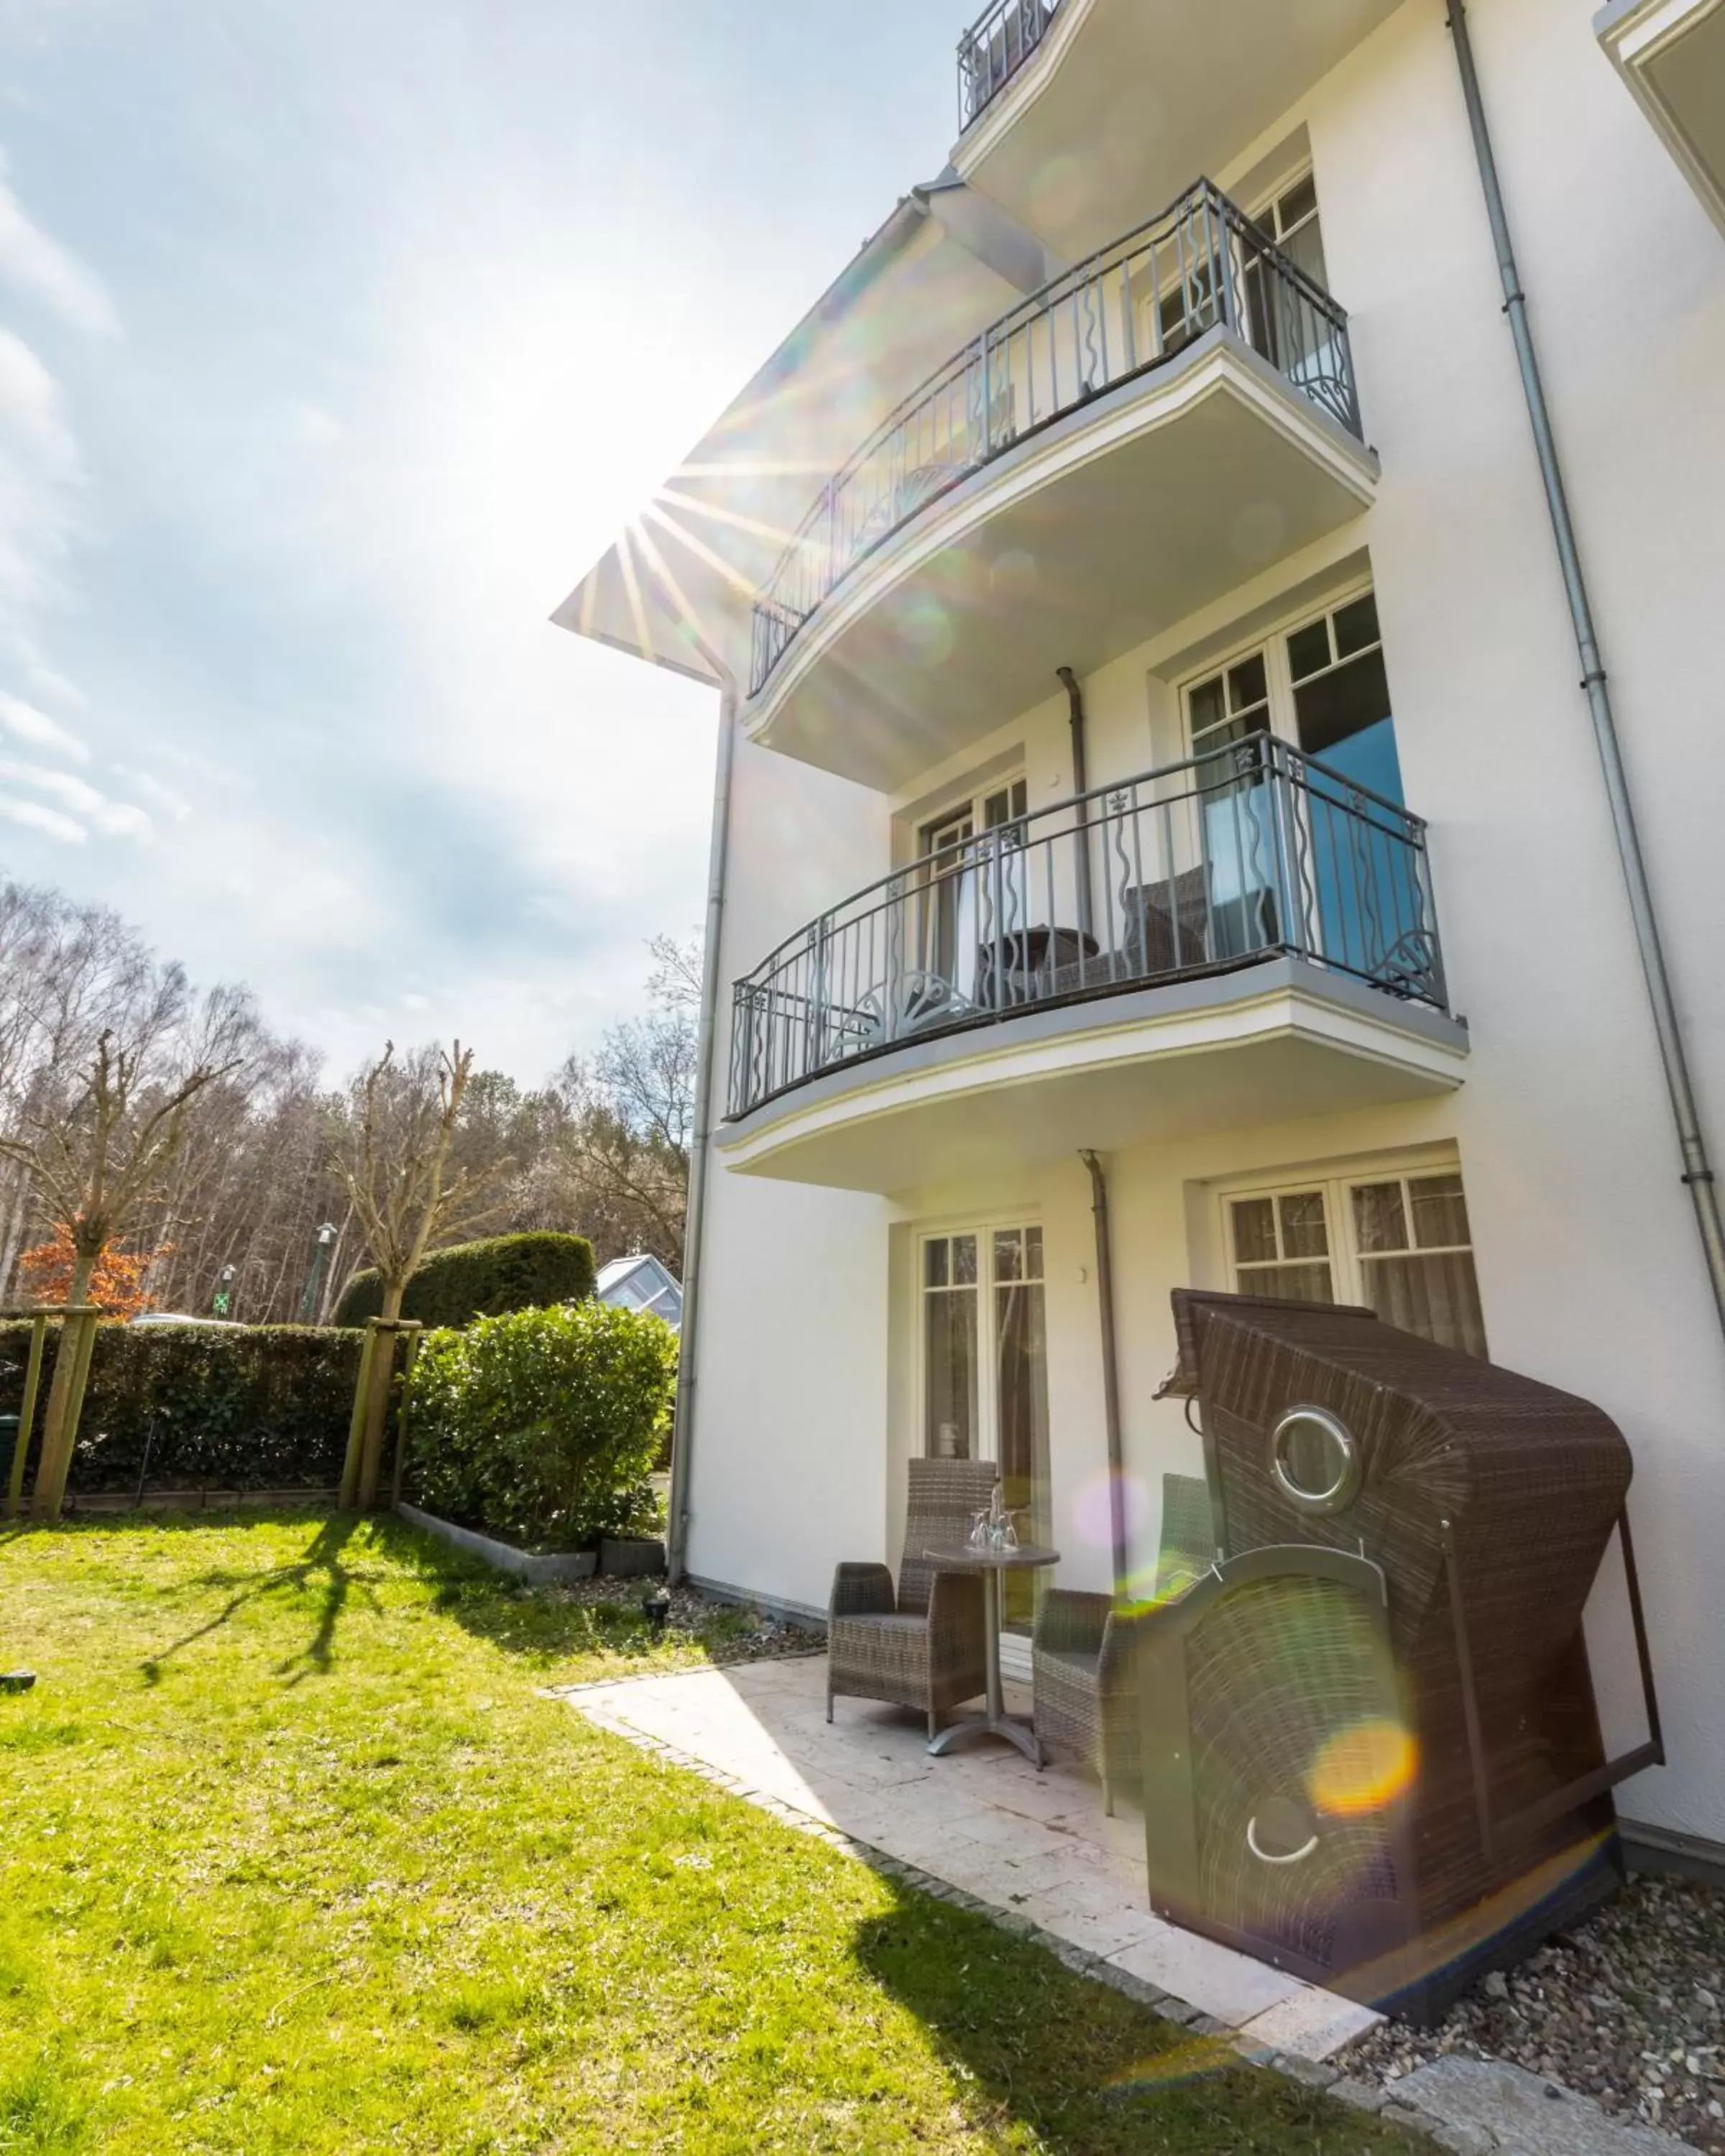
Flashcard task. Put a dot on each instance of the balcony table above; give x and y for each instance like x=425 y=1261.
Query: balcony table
x=1026 y=955
x=993 y=1721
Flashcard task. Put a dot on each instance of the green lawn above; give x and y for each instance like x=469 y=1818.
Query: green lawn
x=292 y=1857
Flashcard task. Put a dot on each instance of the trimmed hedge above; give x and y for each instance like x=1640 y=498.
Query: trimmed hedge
x=486 y=1279
x=259 y=1406
x=543 y=1427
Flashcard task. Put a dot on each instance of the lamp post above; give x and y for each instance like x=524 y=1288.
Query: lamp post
x=223 y=1300
x=327 y=1237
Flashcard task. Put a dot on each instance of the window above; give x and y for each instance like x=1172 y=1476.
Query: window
x=1399 y=1242
x=985 y=1370
x=1291 y=221
x=1416 y=1258
x=1281 y=1246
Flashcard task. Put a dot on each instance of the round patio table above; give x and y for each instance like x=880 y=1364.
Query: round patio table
x=993 y=1721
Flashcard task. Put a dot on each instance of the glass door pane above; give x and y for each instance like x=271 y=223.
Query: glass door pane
x=1021 y=1400
x=1367 y=887
x=1228 y=713
x=946 y=851
x=950 y=1296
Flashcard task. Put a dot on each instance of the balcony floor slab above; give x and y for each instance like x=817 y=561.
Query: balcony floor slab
x=1277 y=1040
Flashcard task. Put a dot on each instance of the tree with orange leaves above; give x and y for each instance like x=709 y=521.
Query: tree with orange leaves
x=117 y=1285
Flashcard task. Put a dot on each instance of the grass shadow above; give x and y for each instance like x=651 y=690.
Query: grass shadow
x=320 y=1567
x=1087 y=2071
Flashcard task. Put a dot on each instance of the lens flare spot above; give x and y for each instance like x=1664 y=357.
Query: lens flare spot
x=1058 y=192
x=1363 y=1768
x=927 y=631
x=1092 y=1513
x=1189 y=2061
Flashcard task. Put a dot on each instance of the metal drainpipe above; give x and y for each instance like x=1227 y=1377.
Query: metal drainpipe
x=1697 y=1173
x=683 y=1440
x=1111 y=1372
x=1081 y=786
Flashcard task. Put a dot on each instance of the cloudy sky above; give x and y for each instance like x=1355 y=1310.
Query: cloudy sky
x=337 y=337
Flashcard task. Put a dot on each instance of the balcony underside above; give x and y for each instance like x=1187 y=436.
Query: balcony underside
x=1083 y=541
x=1151 y=94
x=1672 y=53
x=1277 y=1040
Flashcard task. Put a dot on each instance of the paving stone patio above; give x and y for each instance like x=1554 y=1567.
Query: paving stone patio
x=1031 y=1846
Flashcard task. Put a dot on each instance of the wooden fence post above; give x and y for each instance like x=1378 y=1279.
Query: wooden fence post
x=27 y=1410
x=65 y=1404
x=357 y=1427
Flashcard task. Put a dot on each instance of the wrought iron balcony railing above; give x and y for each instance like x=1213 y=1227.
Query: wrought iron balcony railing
x=1125 y=312
x=994 y=48
x=1253 y=851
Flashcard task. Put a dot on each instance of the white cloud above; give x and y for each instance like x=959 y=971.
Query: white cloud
x=25 y=723
x=114 y=819
x=35 y=818
x=40 y=471
x=163 y=797
x=34 y=262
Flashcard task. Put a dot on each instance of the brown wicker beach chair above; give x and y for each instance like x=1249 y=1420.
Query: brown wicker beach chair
x=923 y=1647
x=1082 y=1666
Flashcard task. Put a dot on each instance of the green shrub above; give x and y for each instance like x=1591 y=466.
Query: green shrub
x=219 y=1406
x=481 y=1280
x=543 y=1426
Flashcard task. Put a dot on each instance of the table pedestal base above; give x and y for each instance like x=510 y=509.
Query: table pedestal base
x=973 y=1726
x=993 y=1721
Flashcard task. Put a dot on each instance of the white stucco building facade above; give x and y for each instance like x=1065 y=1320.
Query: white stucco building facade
x=1382 y=1034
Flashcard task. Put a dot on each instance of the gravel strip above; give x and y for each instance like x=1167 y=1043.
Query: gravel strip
x=764 y=1638
x=1627 y=2008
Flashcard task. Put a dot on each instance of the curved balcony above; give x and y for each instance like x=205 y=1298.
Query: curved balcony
x=1252 y=916
x=1127 y=444
x=994 y=48
x=1071 y=112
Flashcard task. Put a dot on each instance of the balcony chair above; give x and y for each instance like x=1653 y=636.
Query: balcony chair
x=924 y=1646
x=1081 y=1660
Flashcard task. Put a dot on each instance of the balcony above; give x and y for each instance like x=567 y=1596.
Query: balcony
x=1671 y=54
x=1072 y=111
x=994 y=48
x=1222 y=941
x=1131 y=442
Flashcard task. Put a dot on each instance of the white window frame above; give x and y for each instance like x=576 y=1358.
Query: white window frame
x=973 y=800
x=1336 y=1181
x=1272 y=642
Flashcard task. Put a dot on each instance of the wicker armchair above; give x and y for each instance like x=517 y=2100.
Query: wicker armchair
x=1082 y=1666
x=923 y=1647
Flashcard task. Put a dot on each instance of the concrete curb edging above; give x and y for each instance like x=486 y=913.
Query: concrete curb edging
x=541 y=1571
x=1579 y=2127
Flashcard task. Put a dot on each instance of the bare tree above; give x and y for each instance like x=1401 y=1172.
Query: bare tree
x=394 y=1161
x=629 y=1115
x=393 y=1157
x=97 y=1162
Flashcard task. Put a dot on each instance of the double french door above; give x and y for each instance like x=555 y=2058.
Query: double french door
x=985 y=1370
x=1323 y=686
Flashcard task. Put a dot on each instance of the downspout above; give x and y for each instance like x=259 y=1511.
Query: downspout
x=683 y=1436
x=1111 y=1373
x=1697 y=1173
x=1081 y=786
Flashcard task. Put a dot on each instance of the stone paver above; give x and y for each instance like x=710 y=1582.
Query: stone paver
x=1524 y=2115
x=1312 y=2024
x=1033 y=1848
